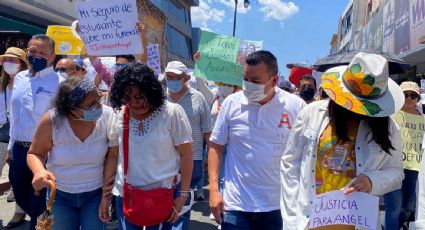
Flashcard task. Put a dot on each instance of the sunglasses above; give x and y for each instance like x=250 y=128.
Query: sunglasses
x=120 y=66
x=411 y=95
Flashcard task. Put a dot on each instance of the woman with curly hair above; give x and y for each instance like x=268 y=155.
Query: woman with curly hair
x=73 y=138
x=155 y=152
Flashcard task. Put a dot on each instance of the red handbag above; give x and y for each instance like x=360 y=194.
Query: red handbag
x=144 y=207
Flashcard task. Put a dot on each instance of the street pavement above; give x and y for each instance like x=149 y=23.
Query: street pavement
x=199 y=218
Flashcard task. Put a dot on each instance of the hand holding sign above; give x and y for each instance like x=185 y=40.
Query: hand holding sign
x=361 y=183
x=335 y=208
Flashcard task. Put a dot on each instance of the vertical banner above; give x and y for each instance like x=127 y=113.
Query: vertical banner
x=402 y=26
x=246 y=48
x=335 y=208
x=153 y=58
x=218 y=59
x=65 y=41
x=388 y=21
x=412 y=129
x=109 y=27
x=417 y=22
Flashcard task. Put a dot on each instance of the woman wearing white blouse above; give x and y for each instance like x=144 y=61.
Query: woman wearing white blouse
x=74 y=137
x=159 y=144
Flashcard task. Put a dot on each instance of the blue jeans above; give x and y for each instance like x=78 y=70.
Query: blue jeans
x=222 y=170
x=400 y=204
x=197 y=174
x=20 y=177
x=238 y=220
x=77 y=211
x=180 y=224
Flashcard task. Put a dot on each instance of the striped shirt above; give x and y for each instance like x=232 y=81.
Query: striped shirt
x=198 y=112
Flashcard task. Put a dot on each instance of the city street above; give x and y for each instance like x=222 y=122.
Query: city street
x=199 y=216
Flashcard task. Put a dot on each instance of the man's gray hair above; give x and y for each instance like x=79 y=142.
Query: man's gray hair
x=44 y=38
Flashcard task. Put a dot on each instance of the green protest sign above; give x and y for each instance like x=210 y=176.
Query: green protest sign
x=218 y=59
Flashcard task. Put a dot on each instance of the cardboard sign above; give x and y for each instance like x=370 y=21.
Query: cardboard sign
x=153 y=58
x=218 y=59
x=109 y=27
x=246 y=48
x=412 y=128
x=65 y=41
x=334 y=208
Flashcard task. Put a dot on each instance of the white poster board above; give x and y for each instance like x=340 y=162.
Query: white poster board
x=357 y=209
x=154 y=60
x=109 y=27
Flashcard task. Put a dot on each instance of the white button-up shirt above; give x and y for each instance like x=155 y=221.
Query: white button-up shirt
x=32 y=97
x=255 y=136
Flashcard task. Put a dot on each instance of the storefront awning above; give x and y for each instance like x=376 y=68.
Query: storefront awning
x=8 y=24
x=414 y=56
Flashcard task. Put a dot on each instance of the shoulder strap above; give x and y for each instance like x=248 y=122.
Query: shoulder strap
x=125 y=134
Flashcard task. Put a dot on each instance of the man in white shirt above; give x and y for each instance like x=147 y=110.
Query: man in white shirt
x=33 y=92
x=254 y=124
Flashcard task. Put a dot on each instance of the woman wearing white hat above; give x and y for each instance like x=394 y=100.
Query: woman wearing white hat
x=348 y=142
x=400 y=204
x=13 y=61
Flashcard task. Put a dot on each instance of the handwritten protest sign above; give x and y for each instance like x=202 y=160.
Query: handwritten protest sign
x=412 y=128
x=356 y=209
x=246 y=48
x=153 y=58
x=218 y=59
x=65 y=41
x=109 y=27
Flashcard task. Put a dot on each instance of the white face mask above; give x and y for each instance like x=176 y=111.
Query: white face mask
x=226 y=90
x=11 y=68
x=254 y=92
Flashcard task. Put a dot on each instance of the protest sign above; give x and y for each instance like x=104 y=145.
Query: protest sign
x=218 y=59
x=65 y=41
x=334 y=208
x=246 y=48
x=109 y=27
x=153 y=58
x=412 y=128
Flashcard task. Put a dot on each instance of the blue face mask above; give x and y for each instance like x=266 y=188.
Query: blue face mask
x=91 y=114
x=174 y=86
x=37 y=63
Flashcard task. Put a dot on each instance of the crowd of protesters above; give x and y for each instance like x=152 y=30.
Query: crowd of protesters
x=125 y=145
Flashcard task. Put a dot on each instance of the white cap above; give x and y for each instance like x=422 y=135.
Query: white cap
x=175 y=67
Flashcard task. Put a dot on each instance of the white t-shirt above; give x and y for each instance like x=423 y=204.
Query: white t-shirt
x=153 y=157
x=78 y=165
x=255 y=136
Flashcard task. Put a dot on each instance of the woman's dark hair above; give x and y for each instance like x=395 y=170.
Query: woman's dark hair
x=141 y=76
x=6 y=77
x=63 y=100
x=379 y=125
x=129 y=57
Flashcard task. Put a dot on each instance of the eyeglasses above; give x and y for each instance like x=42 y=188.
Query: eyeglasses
x=174 y=78
x=411 y=95
x=11 y=60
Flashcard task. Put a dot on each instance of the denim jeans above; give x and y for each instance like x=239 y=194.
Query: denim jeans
x=20 y=177
x=197 y=174
x=400 y=204
x=77 y=210
x=238 y=220
x=180 y=224
x=222 y=170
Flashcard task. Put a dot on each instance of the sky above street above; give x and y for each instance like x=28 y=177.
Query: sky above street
x=297 y=31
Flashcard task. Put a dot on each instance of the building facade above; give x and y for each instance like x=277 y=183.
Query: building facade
x=20 y=19
x=178 y=29
x=393 y=26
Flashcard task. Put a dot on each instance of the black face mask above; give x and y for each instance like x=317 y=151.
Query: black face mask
x=307 y=94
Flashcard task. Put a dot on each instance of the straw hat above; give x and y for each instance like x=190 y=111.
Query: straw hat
x=364 y=86
x=15 y=53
